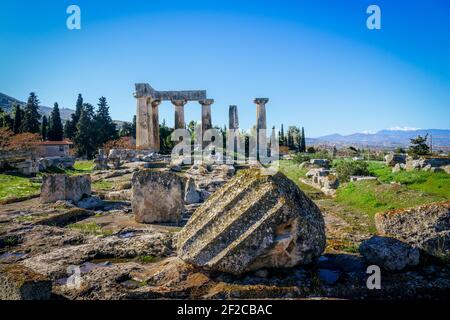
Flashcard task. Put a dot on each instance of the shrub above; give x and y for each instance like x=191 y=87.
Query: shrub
x=347 y=168
x=22 y=141
x=121 y=143
x=301 y=157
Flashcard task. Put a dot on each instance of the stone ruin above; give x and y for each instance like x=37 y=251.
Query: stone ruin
x=255 y=221
x=147 y=114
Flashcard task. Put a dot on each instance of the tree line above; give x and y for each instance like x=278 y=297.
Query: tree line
x=294 y=139
x=88 y=128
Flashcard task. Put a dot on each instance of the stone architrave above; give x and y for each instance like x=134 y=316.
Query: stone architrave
x=148 y=99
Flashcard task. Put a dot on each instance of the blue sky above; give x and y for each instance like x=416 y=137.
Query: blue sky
x=315 y=60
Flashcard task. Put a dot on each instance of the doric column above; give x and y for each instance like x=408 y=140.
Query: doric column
x=261 y=124
x=233 y=122
x=179 y=113
x=142 y=123
x=206 y=114
x=154 y=125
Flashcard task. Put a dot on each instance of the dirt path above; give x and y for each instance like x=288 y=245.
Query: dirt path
x=345 y=229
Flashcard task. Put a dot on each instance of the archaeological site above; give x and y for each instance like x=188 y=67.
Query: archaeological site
x=224 y=158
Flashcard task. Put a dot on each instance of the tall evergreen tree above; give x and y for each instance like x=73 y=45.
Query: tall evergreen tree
x=5 y=120
x=85 y=141
x=18 y=115
x=418 y=146
x=282 y=142
x=55 y=128
x=44 y=128
x=31 y=115
x=75 y=117
x=303 y=143
x=133 y=127
x=67 y=130
x=104 y=126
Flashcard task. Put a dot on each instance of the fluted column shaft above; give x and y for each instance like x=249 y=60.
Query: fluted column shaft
x=261 y=124
x=179 y=113
x=154 y=125
x=142 y=123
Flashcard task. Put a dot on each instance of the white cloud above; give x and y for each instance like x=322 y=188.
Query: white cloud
x=398 y=128
x=368 y=132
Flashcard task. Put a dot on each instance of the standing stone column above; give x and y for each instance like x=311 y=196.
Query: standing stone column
x=154 y=125
x=261 y=125
x=233 y=122
x=142 y=127
x=206 y=115
x=179 y=113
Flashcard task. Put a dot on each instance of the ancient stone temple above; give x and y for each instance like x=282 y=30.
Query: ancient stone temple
x=147 y=119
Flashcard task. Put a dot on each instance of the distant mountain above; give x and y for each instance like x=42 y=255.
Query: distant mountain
x=7 y=103
x=389 y=139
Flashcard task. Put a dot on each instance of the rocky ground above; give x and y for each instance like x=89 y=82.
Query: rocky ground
x=103 y=253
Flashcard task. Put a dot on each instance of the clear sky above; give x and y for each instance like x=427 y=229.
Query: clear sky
x=315 y=60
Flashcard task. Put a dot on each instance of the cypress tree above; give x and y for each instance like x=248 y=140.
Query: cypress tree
x=104 y=126
x=303 y=144
x=66 y=130
x=31 y=115
x=85 y=140
x=55 y=129
x=5 y=120
x=282 y=142
x=18 y=115
x=133 y=127
x=44 y=128
x=72 y=126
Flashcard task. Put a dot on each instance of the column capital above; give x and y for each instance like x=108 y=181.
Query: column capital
x=261 y=100
x=207 y=102
x=179 y=102
x=156 y=103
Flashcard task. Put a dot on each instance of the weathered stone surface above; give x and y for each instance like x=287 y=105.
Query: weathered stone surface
x=426 y=227
x=362 y=178
x=124 y=195
x=63 y=187
x=21 y=283
x=446 y=169
x=255 y=221
x=396 y=168
x=426 y=162
x=90 y=203
x=191 y=194
x=56 y=162
x=389 y=253
x=323 y=163
x=157 y=196
x=394 y=158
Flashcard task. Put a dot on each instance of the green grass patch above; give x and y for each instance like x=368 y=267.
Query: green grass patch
x=434 y=183
x=371 y=197
x=14 y=186
x=90 y=228
x=149 y=259
x=294 y=172
x=102 y=185
x=85 y=165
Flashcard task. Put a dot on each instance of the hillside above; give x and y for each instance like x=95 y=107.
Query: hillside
x=386 y=139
